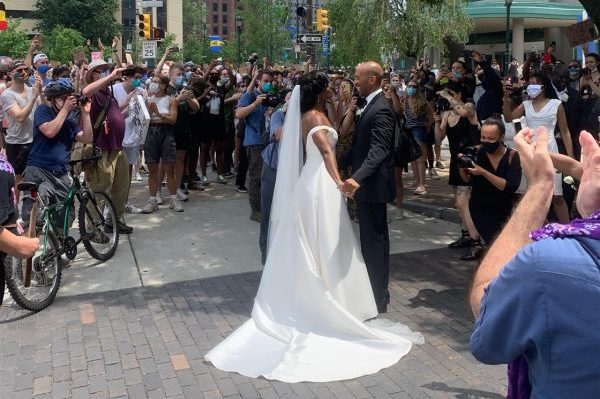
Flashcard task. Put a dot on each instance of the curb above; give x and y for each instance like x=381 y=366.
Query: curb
x=433 y=211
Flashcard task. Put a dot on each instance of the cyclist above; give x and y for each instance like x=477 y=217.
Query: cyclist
x=53 y=135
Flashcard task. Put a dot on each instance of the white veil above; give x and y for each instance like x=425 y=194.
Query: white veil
x=289 y=166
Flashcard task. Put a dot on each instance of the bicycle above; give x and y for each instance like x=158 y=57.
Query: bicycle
x=34 y=285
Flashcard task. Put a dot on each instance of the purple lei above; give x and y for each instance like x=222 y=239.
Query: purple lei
x=588 y=227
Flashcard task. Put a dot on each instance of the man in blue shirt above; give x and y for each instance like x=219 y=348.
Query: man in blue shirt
x=251 y=107
x=270 y=157
x=541 y=299
x=53 y=136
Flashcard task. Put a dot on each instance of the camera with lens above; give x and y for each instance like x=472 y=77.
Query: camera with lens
x=81 y=99
x=252 y=59
x=468 y=158
x=272 y=100
x=440 y=104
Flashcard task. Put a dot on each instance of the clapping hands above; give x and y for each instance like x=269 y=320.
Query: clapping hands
x=348 y=187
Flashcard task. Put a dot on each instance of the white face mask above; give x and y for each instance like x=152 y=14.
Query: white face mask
x=154 y=88
x=534 y=90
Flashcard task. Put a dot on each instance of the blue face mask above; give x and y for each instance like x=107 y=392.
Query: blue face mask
x=179 y=81
x=411 y=91
x=457 y=74
x=188 y=75
x=266 y=87
x=43 y=69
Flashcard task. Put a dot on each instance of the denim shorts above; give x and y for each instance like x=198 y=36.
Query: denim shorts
x=419 y=134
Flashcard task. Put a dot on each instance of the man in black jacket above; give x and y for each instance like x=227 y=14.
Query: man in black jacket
x=490 y=103
x=371 y=158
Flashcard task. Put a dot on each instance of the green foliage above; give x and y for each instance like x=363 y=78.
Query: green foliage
x=263 y=28
x=93 y=18
x=168 y=41
x=365 y=29
x=60 y=44
x=14 y=41
x=195 y=40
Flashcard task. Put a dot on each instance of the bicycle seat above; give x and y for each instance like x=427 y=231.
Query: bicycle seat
x=27 y=186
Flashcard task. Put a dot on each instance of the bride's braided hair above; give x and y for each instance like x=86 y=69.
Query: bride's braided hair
x=311 y=85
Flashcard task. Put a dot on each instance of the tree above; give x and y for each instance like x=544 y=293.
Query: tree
x=364 y=29
x=263 y=29
x=62 y=42
x=195 y=41
x=93 y=18
x=14 y=41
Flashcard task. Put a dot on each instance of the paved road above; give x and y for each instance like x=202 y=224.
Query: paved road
x=139 y=325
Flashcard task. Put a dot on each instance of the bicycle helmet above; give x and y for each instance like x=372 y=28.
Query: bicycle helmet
x=58 y=88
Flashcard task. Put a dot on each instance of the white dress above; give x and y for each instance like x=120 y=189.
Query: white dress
x=547 y=117
x=307 y=320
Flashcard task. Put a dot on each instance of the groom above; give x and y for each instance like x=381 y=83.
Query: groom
x=372 y=164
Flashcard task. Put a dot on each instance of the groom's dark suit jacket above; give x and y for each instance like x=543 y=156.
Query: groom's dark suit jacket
x=372 y=155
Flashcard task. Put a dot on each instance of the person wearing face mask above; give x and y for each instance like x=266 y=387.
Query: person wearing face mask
x=251 y=107
x=418 y=117
x=571 y=102
x=490 y=102
x=187 y=104
x=590 y=93
x=542 y=110
x=111 y=174
x=124 y=93
x=41 y=65
x=53 y=136
x=460 y=74
x=494 y=176
x=18 y=103
x=160 y=143
x=574 y=74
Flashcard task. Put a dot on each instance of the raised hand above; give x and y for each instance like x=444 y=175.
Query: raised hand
x=588 y=197
x=535 y=158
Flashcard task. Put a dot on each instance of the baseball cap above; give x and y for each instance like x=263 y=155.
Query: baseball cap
x=39 y=57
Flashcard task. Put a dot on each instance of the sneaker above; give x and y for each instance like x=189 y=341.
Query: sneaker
x=159 y=200
x=176 y=205
x=130 y=208
x=181 y=195
x=150 y=206
x=221 y=179
x=439 y=165
x=204 y=181
x=255 y=215
x=229 y=175
x=195 y=186
x=433 y=173
x=138 y=177
x=241 y=189
x=197 y=178
x=122 y=227
x=421 y=190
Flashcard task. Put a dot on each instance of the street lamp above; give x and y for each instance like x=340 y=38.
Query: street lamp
x=238 y=26
x=507 y=3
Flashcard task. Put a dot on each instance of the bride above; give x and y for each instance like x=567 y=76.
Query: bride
x=308 y=318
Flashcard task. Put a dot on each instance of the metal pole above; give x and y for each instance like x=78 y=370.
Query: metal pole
x=297 y=33
x=328 y=46
x=239 y=43
x=506 y=52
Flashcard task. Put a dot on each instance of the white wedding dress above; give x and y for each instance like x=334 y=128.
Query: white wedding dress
x=314 y=296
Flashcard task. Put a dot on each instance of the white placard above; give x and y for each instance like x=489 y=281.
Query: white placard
x=149 y=49
x=141 y=118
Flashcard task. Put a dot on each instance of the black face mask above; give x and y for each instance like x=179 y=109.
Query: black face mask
x=490 y=147
x=213 y=79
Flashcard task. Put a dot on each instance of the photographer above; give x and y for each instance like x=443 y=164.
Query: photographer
x=111 y=173
x=494 y=175
x=252 y=108
x=270 y=156
x=53 y=136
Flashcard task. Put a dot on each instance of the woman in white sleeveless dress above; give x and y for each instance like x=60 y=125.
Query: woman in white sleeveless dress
x=541 y=110
x=308 y=318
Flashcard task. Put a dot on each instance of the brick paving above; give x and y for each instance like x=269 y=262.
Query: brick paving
x=149 y=342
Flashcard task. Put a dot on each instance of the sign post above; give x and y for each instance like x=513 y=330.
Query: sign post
x=310 y=39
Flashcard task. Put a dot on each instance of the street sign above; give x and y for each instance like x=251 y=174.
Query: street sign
x=325 y=51
x=308 y=38
x=149 y=49
x=297 y=48
x=151 y=3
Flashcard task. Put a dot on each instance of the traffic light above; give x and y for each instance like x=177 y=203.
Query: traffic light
x=158 y=33
x=322 y=19
x=145 y=28
x=3 y=23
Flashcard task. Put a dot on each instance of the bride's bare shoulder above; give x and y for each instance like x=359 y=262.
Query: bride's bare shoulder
x=314 y=118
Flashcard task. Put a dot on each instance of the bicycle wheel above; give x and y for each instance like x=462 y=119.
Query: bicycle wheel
x=97 y=225
x=40 y=291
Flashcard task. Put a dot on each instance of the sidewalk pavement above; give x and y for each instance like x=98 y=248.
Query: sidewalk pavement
x=139 y=325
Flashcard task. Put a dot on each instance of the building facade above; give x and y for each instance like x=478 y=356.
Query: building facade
x=221 y=17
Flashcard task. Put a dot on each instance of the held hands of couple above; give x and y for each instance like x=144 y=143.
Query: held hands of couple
x=348 y=187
